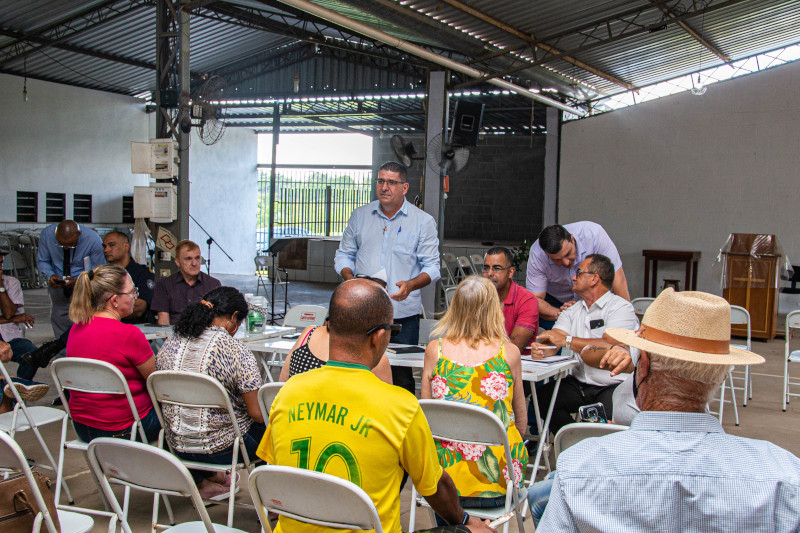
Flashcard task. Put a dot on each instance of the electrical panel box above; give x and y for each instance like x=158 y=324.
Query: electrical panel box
x=159 y=203
x=159 y=158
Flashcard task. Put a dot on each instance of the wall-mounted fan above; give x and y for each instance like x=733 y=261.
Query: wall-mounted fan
x=446 y=158
x=404 y=151
x=208 y=113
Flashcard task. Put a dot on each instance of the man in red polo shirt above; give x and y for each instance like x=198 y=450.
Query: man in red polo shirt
x=520 y=307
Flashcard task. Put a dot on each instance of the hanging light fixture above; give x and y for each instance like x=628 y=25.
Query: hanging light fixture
x=699 y=89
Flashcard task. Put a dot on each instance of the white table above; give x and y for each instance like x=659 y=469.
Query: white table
x=153 y=332
x=532 y=371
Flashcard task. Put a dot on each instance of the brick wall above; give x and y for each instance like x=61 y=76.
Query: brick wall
x=497 y=197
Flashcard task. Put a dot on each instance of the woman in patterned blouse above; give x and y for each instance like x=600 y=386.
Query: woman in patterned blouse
x=203 y=342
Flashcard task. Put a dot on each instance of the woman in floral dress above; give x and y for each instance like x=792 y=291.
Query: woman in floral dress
x=474 y=362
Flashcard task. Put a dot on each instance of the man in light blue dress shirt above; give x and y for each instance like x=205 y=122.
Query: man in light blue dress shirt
x=65 y=250
x=675 y=469
x=392 y=234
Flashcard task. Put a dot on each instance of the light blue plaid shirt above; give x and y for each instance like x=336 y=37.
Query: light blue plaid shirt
x=405 y=245
x=674 y=472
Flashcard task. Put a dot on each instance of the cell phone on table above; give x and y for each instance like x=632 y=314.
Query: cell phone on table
x=292 y=335
x=594 y=412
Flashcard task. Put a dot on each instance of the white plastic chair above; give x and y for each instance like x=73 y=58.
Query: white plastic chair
x=266 y=395
x=193 y=390
x=740 y=316
x=793 y=356
x=150 y=469
x=313 y=498
x=300 y=317
x=574 y=433
x=92 y=376
x=462 y=422
x=640 y=305
x=24 y=418
x=12 y=459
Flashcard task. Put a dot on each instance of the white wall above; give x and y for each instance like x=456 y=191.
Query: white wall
x=71 y=140
x=683 y=172
x=68 y=140
x=224 y=190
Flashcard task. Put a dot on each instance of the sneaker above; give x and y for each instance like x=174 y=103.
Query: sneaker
x=28 y=393
x=40 y=357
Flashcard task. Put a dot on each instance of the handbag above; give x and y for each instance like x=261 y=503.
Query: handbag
x=18 y=507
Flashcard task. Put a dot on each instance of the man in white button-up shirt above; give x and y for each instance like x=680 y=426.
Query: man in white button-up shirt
x=579 y=329
x=391 y=234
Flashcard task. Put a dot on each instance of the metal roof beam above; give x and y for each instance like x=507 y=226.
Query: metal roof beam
x=342 y=127
x=531 y=40
x=699 y=38
x=78 y=50
x=55 y=33
x=600 y=33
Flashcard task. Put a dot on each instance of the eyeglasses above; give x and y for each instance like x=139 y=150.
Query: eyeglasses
x=390 y=183
x=379 y=281
x=579 y=272
x=495 y=268
x=394 y=328
x=134 y=293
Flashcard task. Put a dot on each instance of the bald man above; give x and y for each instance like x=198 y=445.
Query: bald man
x=378 y=430
x=65 y=250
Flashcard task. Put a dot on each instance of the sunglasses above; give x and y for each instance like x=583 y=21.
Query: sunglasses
x=394 y=328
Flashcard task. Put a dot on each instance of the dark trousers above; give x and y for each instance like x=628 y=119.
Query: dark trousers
x=150 y=423
x=544 y=324
x=401 y=375
x=572 y=394
x=224 y=457
x=19 y=347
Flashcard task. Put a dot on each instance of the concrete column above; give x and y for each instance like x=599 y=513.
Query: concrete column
x=552 y=148
x=435 y=122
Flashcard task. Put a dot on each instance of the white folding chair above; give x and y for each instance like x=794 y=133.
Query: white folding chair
x=92 y=376
x=266 y=395
x=24 y=418
x=574 y=433
x=790 y=356
x=462 y=422
x=12 y=459
x=300 y=317
x=465 y=267
x=197 y=391
x=450 y=263
x=477 y=263
x=426 y=327
x=448 y=295
x=264 y=273
x=740 y=316
x=640 y=305
x=313 y=498
x=150 y=469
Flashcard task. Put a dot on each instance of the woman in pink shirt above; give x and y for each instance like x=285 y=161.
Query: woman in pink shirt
x=102 y=298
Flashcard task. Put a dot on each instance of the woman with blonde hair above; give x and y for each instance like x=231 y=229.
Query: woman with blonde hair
x=102 y=298
x=475 y=362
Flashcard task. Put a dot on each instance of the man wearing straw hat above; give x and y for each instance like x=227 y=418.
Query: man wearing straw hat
x=676 y=469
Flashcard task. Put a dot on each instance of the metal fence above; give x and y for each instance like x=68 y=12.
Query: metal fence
x=311 y=200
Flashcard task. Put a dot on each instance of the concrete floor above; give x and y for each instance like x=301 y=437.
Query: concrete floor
x=761 y=419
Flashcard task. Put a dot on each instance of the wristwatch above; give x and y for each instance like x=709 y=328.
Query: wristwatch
x=568 y=342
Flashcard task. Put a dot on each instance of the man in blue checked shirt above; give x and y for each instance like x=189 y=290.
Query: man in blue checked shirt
x=675 y=469
x=392 y=234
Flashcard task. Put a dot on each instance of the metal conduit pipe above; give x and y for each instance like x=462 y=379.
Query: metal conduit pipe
x=418 y=51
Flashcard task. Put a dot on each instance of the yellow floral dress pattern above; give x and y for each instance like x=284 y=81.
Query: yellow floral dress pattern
x=479 y=471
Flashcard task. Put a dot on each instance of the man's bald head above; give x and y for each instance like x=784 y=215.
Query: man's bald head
x=67 y=233
x=356 y=306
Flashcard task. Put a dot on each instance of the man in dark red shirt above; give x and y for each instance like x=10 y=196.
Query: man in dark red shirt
x=520 y=307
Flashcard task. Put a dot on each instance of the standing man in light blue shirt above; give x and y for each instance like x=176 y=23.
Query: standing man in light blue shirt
x=65 y=250
x=675 y=469
x=392 y=234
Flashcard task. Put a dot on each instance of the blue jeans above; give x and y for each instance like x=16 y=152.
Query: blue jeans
x=251 y=441
x=149 y=422
x=19 y=347
x=539 y=495
x=402 y=375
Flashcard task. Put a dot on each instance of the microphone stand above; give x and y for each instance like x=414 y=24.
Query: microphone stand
x=208 y=242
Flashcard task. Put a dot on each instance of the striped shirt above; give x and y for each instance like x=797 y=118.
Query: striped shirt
x=674 y=472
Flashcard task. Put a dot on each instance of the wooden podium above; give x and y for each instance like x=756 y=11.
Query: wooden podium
x=751 y=281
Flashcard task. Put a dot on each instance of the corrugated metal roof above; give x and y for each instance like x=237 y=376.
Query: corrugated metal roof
x=118 y=53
